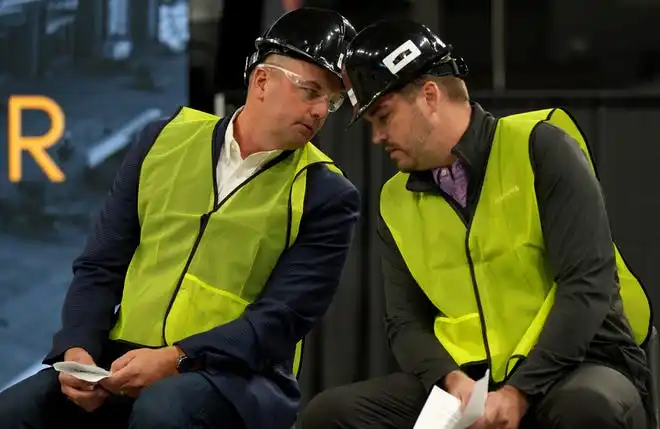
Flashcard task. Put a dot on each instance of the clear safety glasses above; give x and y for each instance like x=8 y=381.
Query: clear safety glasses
x=310 y=91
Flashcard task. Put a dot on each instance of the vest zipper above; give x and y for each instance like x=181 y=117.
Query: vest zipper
x=475 y=287
x=203 y=222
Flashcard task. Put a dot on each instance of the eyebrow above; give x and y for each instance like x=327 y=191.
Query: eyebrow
x=376 y=109
x=313 y=83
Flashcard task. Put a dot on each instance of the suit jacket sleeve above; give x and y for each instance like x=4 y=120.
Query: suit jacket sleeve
x=99 y=272
x=299 y=290
x=409 y=318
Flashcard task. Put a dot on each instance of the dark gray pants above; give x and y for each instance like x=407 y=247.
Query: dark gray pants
x=591 y=397
x=181 y=401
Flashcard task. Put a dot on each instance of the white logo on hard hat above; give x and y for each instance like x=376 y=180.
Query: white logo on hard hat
x=401 y=56
x=351 y=96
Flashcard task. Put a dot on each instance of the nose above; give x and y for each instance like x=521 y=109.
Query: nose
x=320 y=109
x=377 y=135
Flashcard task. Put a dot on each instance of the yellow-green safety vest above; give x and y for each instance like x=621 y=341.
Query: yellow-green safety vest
x=198 y=265
x=494 y=274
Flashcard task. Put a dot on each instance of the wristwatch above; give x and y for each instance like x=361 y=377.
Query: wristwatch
x=184 y=364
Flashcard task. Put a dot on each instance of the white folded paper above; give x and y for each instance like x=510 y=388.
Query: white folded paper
x=90 y=373
x=443 y=411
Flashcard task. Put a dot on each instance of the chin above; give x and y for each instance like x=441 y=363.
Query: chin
x=409 y=166
x=404 y=167
x=296 y=142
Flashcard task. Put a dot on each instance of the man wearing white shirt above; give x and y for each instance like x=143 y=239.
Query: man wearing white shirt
x=223 y=242
x=232 y=169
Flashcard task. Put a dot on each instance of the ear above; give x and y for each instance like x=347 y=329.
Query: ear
x=259 y=83
x=432 y=95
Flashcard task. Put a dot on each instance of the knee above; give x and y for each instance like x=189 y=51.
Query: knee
x=15 y=405
x=585 y=407
x=328 y=410
x=31 y=399
x=155 y=409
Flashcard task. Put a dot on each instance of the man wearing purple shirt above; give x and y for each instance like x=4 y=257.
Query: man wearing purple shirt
x=496 y=255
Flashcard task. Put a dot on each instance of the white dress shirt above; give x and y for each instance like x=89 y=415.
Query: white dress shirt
x=232 y=170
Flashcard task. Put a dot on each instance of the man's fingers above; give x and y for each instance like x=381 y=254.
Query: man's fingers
x=479 y=424
x=118 y=380
x=119 y=373
x=491 y=416
x=87 y=406
x=85 y=359
x=465 y=398
x=76 y=383
x=70 y=392
x=89 y=401
x=76 y=394
x=90 y=404
x=121 y=363
x=101 y=393
x=80 y=355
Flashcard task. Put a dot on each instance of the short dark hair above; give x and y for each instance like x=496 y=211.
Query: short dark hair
x=454 y=87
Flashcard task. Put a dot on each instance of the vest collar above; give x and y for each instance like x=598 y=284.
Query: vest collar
x=219 y=137
x=473 y=148
x=219 y=141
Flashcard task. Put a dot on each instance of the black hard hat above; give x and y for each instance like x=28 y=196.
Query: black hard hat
x=311 y=34
x=388 y=55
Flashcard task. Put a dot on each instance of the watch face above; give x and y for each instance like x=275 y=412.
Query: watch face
x=182 y=365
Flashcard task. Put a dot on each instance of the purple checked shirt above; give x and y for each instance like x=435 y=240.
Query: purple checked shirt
x=453 y=180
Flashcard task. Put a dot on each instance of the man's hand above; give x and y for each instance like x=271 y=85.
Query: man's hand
x=140 y=368
x=459 y=385
x=87 y=396
x=504 y=409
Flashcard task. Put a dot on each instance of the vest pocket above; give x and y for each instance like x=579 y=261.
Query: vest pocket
x=199 y=307
x=461 y=337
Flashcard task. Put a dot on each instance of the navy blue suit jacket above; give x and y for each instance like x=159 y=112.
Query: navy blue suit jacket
x=248 y=358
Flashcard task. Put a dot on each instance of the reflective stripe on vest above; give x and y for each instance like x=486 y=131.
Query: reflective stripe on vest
x=493 y=272
x=199 y=266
